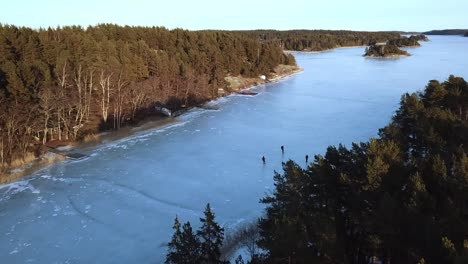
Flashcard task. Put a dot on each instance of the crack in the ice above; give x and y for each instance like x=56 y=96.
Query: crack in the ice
x=84 y=214
x=88 y=216
x=152 y=197
x=144 y=194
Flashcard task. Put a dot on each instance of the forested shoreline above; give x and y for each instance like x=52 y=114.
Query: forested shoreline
x=65 y=83
x=445 y=32
x=399 y=198
x=320 y=40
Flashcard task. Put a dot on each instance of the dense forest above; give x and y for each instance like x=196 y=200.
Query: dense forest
x=67 y=82
x=400 y=198
x=318 y=40
x=446 y=32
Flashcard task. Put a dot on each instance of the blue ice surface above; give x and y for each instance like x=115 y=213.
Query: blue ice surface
x=118 y=205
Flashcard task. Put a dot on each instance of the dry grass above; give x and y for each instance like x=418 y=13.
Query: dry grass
x=285 y=69
x=28 y=158
x=90 y=138
x=22 y=167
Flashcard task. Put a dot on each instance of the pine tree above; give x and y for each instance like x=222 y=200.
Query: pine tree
x=211 y=235
x=184 y=247
x=190 y=246
x=173 y=254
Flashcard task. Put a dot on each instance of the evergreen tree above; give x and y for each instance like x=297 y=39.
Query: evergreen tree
x=174 y=247
x=184 y=247
x=190 y=246
x=211 y=236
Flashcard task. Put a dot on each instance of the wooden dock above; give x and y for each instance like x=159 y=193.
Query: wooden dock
x=75 y=156
x=71 y=155
x=246 y=93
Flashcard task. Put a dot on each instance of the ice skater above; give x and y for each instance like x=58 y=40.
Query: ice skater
x=263 y=159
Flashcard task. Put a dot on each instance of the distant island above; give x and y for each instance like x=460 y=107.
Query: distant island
x=386 y=50
x=411 y=41
x=392 y=47
x=447 y=32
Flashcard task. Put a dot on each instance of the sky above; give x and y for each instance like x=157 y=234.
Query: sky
x=368 y=15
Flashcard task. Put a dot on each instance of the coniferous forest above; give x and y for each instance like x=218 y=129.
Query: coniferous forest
x=400 y=198
x=68 y=82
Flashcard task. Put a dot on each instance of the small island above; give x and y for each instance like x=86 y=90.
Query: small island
x=391 y=48
x=387 y=50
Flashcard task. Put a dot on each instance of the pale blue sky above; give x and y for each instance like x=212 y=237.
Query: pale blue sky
x=373 y=15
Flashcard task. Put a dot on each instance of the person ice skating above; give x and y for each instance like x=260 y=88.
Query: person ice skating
x=282 y=149
x=307 y=158
x=263 y=159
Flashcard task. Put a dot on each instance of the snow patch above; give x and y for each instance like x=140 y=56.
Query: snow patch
x=55 y=179
x=64 y=148
x=17 y=187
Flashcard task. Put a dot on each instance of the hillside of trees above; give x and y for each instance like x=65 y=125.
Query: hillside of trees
x=446 y=32
x=400 y=198
x=319 y=40
x=64 y=83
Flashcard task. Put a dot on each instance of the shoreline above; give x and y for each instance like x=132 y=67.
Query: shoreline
x=393 y=56
x=96 y=140
x=322 y=51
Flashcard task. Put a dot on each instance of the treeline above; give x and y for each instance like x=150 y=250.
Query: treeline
x=412 y=41
x=64 y=83
x=447 y=32
x=401 y=198
x=318 y=40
